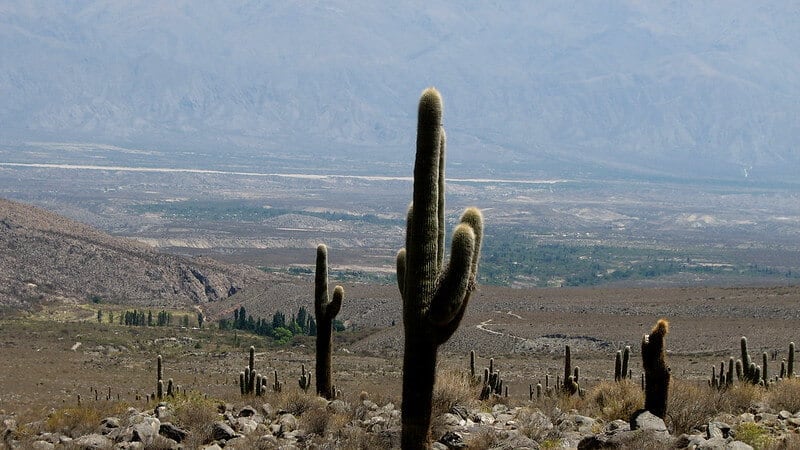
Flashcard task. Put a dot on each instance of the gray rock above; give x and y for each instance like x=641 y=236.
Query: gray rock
x=340 y=407
x=245 y=425
x=222 y=432
x=171 y=431
x=247 y=411
x=146 y=431
x=716 y=443
x=452 y=440
x=499 y=409
x=42 y=445
x=783 y=414
x=645 y=420
x=617 y=425
x=450 y=420
x=738 y=445
x=483 y=417
x=718 y=429
x=438 y=446
x=92 y=442
x=288 y=422
x=268 y=411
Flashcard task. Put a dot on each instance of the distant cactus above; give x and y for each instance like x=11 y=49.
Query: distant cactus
x=656 y=371
x=571 y=386
x=305 y=378
x=252 y=370
x=746 y=361
x=618 y=366
x=472 y=365
x=242 y=384
x=790 y=362
x=567 y=366
x=435 y=295
x=325 y=310
x=258 y=385
x=783 y=368
x=538 y=390
x=739 y=370
x=159 y=377
x=626 y=356
x=764 y=371
x=170 y=388
x=729 y=377
x=277 y=386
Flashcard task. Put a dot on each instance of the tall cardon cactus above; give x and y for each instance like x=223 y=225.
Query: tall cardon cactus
x=435 y=295
x=325 y=310
x=656 y=371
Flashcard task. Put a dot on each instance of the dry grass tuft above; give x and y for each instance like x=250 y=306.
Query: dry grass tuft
x=611 y=400
x=77 y=421
x=452 y=388
x=196 y=414
x=690 y=405
x=785 y=395
x=484 y=439
x=534 y=424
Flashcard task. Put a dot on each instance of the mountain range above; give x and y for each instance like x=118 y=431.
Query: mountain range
x=687 y=89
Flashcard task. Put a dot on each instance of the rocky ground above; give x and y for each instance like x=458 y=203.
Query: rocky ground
x=305 y=421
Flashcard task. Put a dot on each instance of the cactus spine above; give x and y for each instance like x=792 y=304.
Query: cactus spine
x=435 y=296
x=325 y=309
x=656 y=371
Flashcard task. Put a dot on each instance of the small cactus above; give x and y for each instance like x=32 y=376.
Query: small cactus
x=472 y=365
x=325 y=310
x=170 y=388
x=252 y=370
x=764 y=371
x=618 y=366
x=159 y=389
x=790 y=362
x=242 y=384
x=305 y=378
x=277 y=386
x=258 y=385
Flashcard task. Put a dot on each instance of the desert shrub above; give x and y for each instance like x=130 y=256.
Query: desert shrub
x=452 y=388
x=534 y=424
x=690 y=405
x=484 y=439
x=196 y=414
x=295 y=401
x=614 y=400
x=753 y=434
x=315 y=420
x=740 y=398
x=785 y=395
x=80 y=420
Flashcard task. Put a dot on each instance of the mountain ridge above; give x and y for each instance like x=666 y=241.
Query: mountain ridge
x=708 y=90
x=49 y=257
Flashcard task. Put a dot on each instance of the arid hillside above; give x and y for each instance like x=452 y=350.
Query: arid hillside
x=49 y=257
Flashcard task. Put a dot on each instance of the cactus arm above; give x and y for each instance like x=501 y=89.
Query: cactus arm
x=401 y=271
x=453 y=287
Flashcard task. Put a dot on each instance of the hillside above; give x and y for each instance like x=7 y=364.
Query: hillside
x=47 y=257
x=576 y=88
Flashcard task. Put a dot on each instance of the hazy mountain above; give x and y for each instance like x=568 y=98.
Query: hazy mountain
x=47 y=257
x=676 y=88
